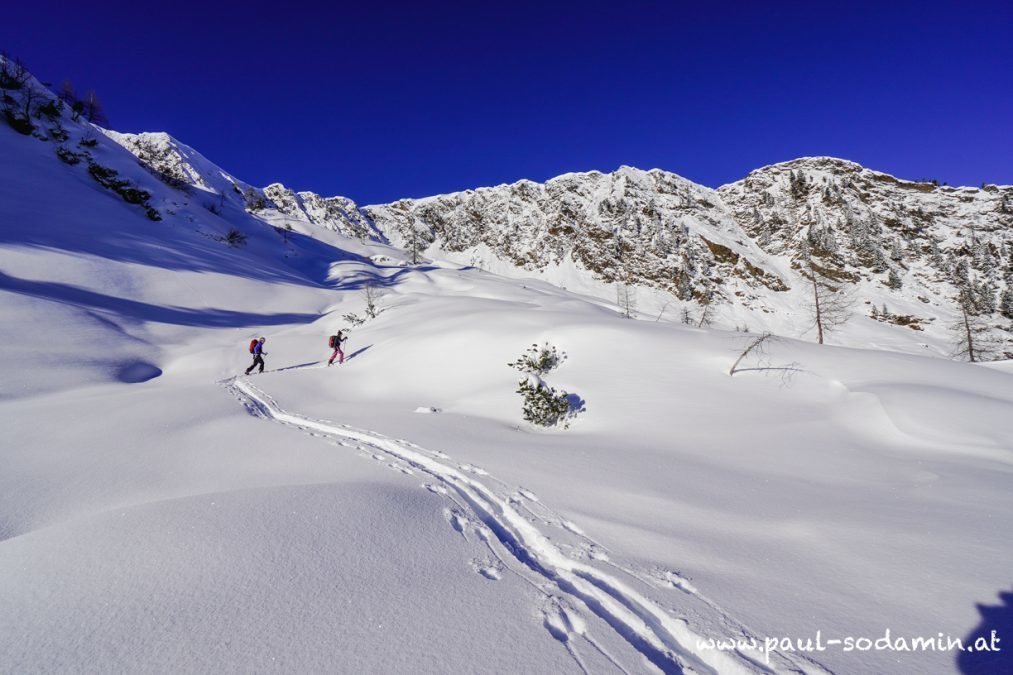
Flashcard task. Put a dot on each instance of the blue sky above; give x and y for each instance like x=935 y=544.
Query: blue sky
x=377 y=101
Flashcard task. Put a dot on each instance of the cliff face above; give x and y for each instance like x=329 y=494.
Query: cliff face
x=648 y=228
x=865 y=224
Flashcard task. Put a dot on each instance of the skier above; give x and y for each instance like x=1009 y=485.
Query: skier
x=335 y=342
x=257 y=349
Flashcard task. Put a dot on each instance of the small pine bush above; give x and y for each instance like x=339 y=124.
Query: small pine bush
x=68 y=156
x=542 y=405
x=539 y=360
x=51 y=110
x=18 y=122
x=235 y=237
x=353 y=319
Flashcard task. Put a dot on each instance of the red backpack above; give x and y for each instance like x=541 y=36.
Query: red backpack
x=253 y=343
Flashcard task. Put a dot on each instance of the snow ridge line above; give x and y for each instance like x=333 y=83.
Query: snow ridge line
x=665 y=641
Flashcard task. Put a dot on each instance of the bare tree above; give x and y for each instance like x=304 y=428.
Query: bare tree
x=831 y=305
x=971 y=332
x=414 y=239
x=93 y=109
x=757 y=347
x=626 y=298
x=69 y=96
x=13 y=73
x=29 y=96
x=372 y=294
x=662 y=312
x=706 y=313
x=67 y=93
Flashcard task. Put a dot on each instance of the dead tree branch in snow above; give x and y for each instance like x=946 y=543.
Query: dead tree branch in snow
x=758 y=348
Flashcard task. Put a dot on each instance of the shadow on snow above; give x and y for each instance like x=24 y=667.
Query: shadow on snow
x=998 y=619
x=142 y=311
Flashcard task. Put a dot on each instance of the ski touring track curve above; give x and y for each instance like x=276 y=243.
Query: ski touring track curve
x=665 y=642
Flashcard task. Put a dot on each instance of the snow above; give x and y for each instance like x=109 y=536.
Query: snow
x=161 y=513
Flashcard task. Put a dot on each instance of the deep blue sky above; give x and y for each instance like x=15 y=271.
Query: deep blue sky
x=378 y=101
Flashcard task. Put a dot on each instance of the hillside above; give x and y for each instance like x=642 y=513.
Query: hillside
x=904 y=252
x=161 y=513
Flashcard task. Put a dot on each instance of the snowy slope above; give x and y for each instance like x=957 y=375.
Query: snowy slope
x=902 y=249
x=160 y=513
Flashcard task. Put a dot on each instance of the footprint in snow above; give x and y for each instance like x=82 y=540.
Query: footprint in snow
x=594 y=552
x=400 y=467
x=572 y=527
x=490 y=569
x=441 y=455
x=527 y=494
x=562 y=620
x=457 y=520
x=672 y=579
x=435 y=489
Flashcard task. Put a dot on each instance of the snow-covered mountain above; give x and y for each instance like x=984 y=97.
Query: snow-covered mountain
x=160 y=512
x=904 y=249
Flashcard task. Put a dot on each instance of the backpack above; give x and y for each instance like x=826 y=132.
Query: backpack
x=332 y=342
x=253 y=343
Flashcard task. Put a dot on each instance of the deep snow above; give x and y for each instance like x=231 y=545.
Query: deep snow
x=160 y=513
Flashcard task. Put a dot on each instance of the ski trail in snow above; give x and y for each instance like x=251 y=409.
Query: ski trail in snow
x=667 y=642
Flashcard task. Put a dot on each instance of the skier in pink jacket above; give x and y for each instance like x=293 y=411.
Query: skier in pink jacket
x=335 y=343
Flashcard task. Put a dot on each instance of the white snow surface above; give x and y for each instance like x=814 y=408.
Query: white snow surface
x=162 y=512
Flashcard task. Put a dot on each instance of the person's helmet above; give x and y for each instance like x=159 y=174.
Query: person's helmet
x=263 y=339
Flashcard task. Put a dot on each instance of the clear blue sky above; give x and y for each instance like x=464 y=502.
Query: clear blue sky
x=377 y=101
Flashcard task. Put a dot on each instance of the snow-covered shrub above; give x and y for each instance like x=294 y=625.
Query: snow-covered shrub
x=58 y=134
x=371 y=295
x=543 y=405
x=51 y=110
x=130 y=193
x=18 y=122
x=234 y=237
x=539 y=360
x=68 y=156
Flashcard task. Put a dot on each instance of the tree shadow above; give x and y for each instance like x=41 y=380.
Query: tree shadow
x=577 y=404
x=364 y=279
x=982 y=656
x=194 y=247
x=142 y=311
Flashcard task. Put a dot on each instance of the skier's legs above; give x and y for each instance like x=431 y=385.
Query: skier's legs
x=331 y=360
x=341 y=355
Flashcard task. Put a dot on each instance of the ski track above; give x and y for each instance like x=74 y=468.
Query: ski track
x=666 y=642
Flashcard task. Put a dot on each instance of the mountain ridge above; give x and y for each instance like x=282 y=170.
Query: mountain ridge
x=914 y=254
x=734 y=248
